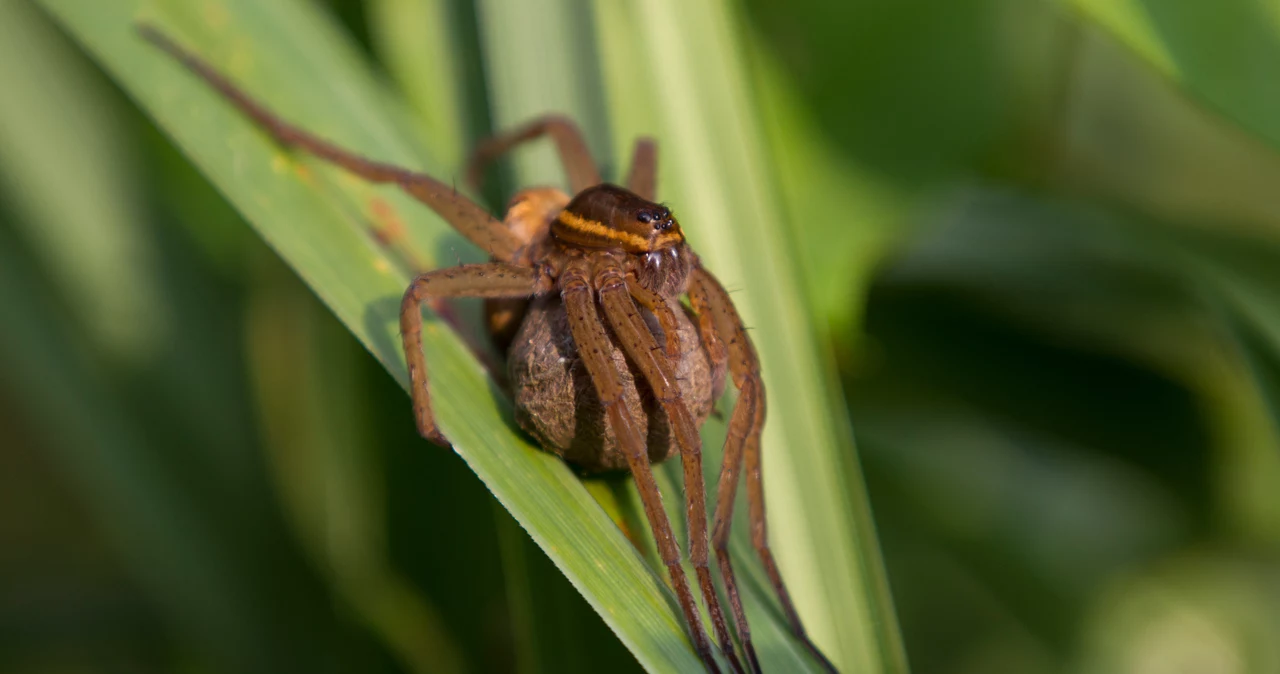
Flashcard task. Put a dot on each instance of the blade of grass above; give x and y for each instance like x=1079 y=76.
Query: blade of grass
x=1222 y=52
x=529 y=79
x=100 y=447
x=316 y=219
x=1242 y=282
x=843 y=218
x=1261 y=352
x=230 y=603
x=536 y=66
x=95 y=394
x=315 y=428
x=1220 y=55
x=536 y=61
x=60 y=131
x=673 y=69
x=414 y=39
x=547 y=617
x=1141 y=300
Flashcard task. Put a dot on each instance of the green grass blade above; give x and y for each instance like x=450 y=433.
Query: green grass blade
x=673 y=69
x=68 y=173
x=1261 y=352
x=427 y=44
x=1220 y=52
x=1220 y=56
x=1241 y=279
x=316 y=434
x=414 y=39
x=529 y=75
x=70 y=196
x=316 y=219
x=537 y=62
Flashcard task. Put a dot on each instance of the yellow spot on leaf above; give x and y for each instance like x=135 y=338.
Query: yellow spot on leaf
x=215 y=15
x=388 y=228
x=240 y=63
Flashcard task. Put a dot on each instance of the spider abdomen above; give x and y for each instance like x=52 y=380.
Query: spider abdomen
x=557 y=403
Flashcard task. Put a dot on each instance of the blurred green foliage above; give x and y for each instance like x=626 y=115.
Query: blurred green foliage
x=1060 y=357
x=1040 y=239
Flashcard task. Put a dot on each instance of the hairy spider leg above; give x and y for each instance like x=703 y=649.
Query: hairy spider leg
x=394 y=240
x=662 y=310
x=529 y=217
x=642 y=350
x=574 y=155
x=643 y=176
x=472 y=221
x=594 y=347
x=742 y=423
x=492 y=279
x=710 y=299
x=502 y=240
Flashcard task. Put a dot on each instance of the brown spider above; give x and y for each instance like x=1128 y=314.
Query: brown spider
x=578 y=293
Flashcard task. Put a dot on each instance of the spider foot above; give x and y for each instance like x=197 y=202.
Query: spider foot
x=434 y=436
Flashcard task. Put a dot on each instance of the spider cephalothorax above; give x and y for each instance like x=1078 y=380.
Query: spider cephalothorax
x=608 y=217
x=554 y=396
x=611 y=218
x=608 y=368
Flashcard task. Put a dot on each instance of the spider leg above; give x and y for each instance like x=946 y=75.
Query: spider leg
x=594 y=347
x=643 y=176
x=493 y=279
x=529 y=216
x=464 y=215
x=717 y=354
x=578 y=164
x=658 y=307
x=709 y=298
x=642 y=350
x=742 y=424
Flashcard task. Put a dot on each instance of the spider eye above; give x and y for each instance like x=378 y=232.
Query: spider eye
x=660 y=218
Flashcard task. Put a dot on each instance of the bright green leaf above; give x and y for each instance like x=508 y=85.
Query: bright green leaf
x=320 y=221
x=1223 y=53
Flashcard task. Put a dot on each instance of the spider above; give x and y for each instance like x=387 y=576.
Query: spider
x=608 y=369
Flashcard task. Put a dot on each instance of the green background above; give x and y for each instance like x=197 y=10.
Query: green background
x=1025 y=253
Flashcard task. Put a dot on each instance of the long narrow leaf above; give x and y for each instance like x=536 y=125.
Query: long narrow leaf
x=1220 y=52
x=674 y=71
x=321 y=222
x=318 y=221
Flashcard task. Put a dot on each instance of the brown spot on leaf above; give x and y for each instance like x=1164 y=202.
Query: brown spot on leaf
x=388 y=228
